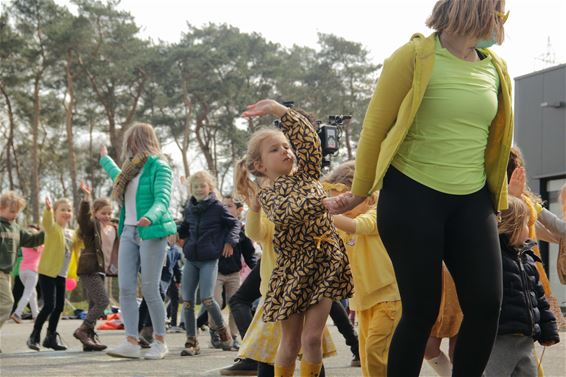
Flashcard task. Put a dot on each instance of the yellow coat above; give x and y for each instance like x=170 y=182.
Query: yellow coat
x=260 y=229
x=395 y=102
x=374 y=277
x=54 y=250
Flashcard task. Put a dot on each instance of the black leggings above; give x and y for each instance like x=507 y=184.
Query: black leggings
x=241 y=302
x=420 y=227
x=53 y=302
x=267 y=370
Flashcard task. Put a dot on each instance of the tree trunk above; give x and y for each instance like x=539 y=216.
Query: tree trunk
x=348 y=142
x=69 y=107
x=34 y=150
x=187 y=129
x=10 y=142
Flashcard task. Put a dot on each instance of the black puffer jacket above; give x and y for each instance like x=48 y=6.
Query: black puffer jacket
x=244 y=248
x=524 y=309
x=207 y=226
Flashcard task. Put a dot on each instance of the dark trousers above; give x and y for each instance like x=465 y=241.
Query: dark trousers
x=173 y=307
x=420 y=227
x=267 y=370
x=17 y=291
x=342 y=321
x=242 y=301
x=53 y=290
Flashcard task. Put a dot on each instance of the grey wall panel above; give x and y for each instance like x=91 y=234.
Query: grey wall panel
x=553 y=123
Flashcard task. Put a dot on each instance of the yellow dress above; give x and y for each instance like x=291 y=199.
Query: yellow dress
x=450 y=315
x=312 y=262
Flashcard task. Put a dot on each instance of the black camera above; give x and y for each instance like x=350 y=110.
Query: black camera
x=329 y=133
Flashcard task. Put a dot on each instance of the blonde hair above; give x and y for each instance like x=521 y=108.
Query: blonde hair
x=513 y=219
x=140 y=138
x=245 y=168
x=344 y=174
x=60 y=202
x=10 y=199
x=205 y=177
x=475 y=18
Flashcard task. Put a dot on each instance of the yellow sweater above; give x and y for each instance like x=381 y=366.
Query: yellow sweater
x=54 y=250
x=260 y=229
x=374 y=277
x=395 y=102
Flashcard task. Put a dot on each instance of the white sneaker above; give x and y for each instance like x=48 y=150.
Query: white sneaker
x=156 y=351
x=127 y=350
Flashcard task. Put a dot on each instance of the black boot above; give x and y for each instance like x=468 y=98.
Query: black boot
x=53 y=340
x=33 y=340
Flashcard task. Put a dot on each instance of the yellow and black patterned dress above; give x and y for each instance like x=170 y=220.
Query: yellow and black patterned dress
x=312 y=263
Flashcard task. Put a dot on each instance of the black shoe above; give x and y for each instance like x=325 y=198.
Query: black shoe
x=242 y=367
x=33 y=340
x=53 y=341
x=356 y=363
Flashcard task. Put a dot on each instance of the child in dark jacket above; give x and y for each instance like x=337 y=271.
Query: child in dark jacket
x=229 y=268
x=209 y=231
x=525 y=315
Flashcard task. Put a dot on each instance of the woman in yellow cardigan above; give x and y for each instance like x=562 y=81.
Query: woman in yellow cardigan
x=58 y=262
x=436 y=139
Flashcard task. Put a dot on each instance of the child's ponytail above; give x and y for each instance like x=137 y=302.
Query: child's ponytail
x=245 y=187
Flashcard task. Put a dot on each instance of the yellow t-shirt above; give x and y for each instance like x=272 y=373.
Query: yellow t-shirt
x=374 y=277
x=445 y=147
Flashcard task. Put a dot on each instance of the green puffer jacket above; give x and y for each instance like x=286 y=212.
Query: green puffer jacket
x=152 y=197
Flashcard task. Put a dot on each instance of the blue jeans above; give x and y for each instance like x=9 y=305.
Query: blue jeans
x=150 y=256
x=202 y=275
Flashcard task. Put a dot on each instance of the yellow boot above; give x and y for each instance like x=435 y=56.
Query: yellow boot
x=309 y=369
x=282 y=371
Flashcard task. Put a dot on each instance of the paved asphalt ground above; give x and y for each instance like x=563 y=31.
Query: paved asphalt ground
x=17 y=360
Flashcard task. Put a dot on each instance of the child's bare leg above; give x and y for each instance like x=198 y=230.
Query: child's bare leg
x=311 y=337
x=290 y=344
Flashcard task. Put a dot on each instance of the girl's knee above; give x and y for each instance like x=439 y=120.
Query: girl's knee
x=208 y=302
x=311 y=340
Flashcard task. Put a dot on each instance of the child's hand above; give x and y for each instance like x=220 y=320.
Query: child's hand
x=518 y=182
x=143 y=222
x=47 y=203
x=85 y=189
x=265 y=107
x=103 y=150
x=548 y=343
x=228 y=251
x=342 y=203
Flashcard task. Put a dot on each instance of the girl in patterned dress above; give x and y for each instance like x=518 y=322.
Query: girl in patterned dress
x=312 y=267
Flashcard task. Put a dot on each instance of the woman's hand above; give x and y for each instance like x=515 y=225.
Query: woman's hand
x=103 y=150
x=518 y=182
x=342 y=203
x=265 y=107
x=143 y=222
x=85 y=189
x=228 y=251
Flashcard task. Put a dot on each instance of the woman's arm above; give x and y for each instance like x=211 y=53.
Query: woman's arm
x=393 y=86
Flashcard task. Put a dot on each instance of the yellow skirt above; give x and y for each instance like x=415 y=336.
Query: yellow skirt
x=450 y=315
x=262 y=340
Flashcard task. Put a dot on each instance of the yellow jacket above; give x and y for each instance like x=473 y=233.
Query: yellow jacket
x=54 y=250
x=260 y=229
x=395 y=102
x=374 y=277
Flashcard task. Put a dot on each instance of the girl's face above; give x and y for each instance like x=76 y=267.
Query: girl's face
x=63 y=214
x=104 y=215
x=200 y=189
x=232 y=208
x=277 y=157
